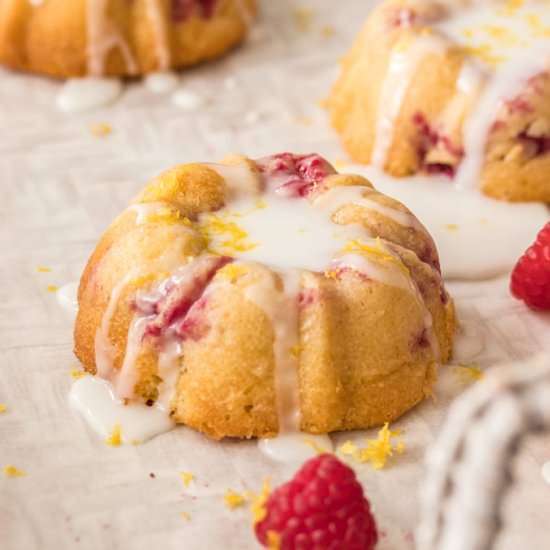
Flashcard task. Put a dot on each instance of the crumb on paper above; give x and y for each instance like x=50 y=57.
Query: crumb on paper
x=136 y=442
x=187 y=478
x=42 y=269
x=3 y=407
x=185 y=516
x=152 y=475
x=233 y=499
x=52 y=289
x=467 y=374
x=77 y=373
x=12 y=471
x=377 y=451
x=115 y=437
x=302 y=18
x=101 y=129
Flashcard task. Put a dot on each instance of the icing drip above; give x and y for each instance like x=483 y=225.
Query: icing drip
x=404 y=62
x=95 y=400
x=103 y=37
x=281 y=307
x=82 y=94
x=67 y=297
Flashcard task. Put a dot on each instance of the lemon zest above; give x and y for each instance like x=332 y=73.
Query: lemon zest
x=52 y=289
x=77 y=374
x=115 y=437
x=233 y=499
x=468 y=373
x=3 y=407
x=377 y=451
x=42 y=269
x=12 y=471
x=319 y=449
x=258 y=508
x=187 y=478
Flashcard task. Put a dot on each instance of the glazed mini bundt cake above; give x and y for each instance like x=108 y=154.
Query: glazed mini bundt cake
x=253 y=297
x=74 y=38
x=459 y=87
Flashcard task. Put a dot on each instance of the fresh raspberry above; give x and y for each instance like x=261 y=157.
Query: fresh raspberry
x=321 y=508
x=530 y=279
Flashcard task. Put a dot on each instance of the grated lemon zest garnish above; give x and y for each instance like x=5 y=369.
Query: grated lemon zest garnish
x=185 y=516
x=378 y=451
x=77 y=374
x=52 y=289
x=331 y=274
x=512 y=6
x=354 y=245
x=170 y=216
x=187 y=478
x=319 y=449
x=232 y=272
x=101 y=129
x=233 y=500
x=3 y=407
x=115 y=437
x=215 y=225
x=484 y=52
x=468 y=373
x=452 y=227
x=302 y=18
x=328 y=31
x=12 y=471
x=258 y=502
x=42 y=269
x=273 y=540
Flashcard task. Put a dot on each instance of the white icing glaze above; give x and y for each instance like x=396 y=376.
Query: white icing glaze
x=295 y=447
x=162 y=82
x=156 y=16
x=403 y=65
x=187 y=99
x=281 y=307
x=82 y=94
x=103 y=37
x=466 y=226
x=67 y=297
x=95 y=400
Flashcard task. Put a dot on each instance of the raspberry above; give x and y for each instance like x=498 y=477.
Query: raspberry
x=530 y=279
x=297 y=175
x=322 y=507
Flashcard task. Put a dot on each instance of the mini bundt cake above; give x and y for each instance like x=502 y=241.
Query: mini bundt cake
x=252 y=297
x=459 y=87
x=74 y=38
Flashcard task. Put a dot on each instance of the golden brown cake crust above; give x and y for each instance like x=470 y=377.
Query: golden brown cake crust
x=53 y=37
x=364 y=354
x=428 y=129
